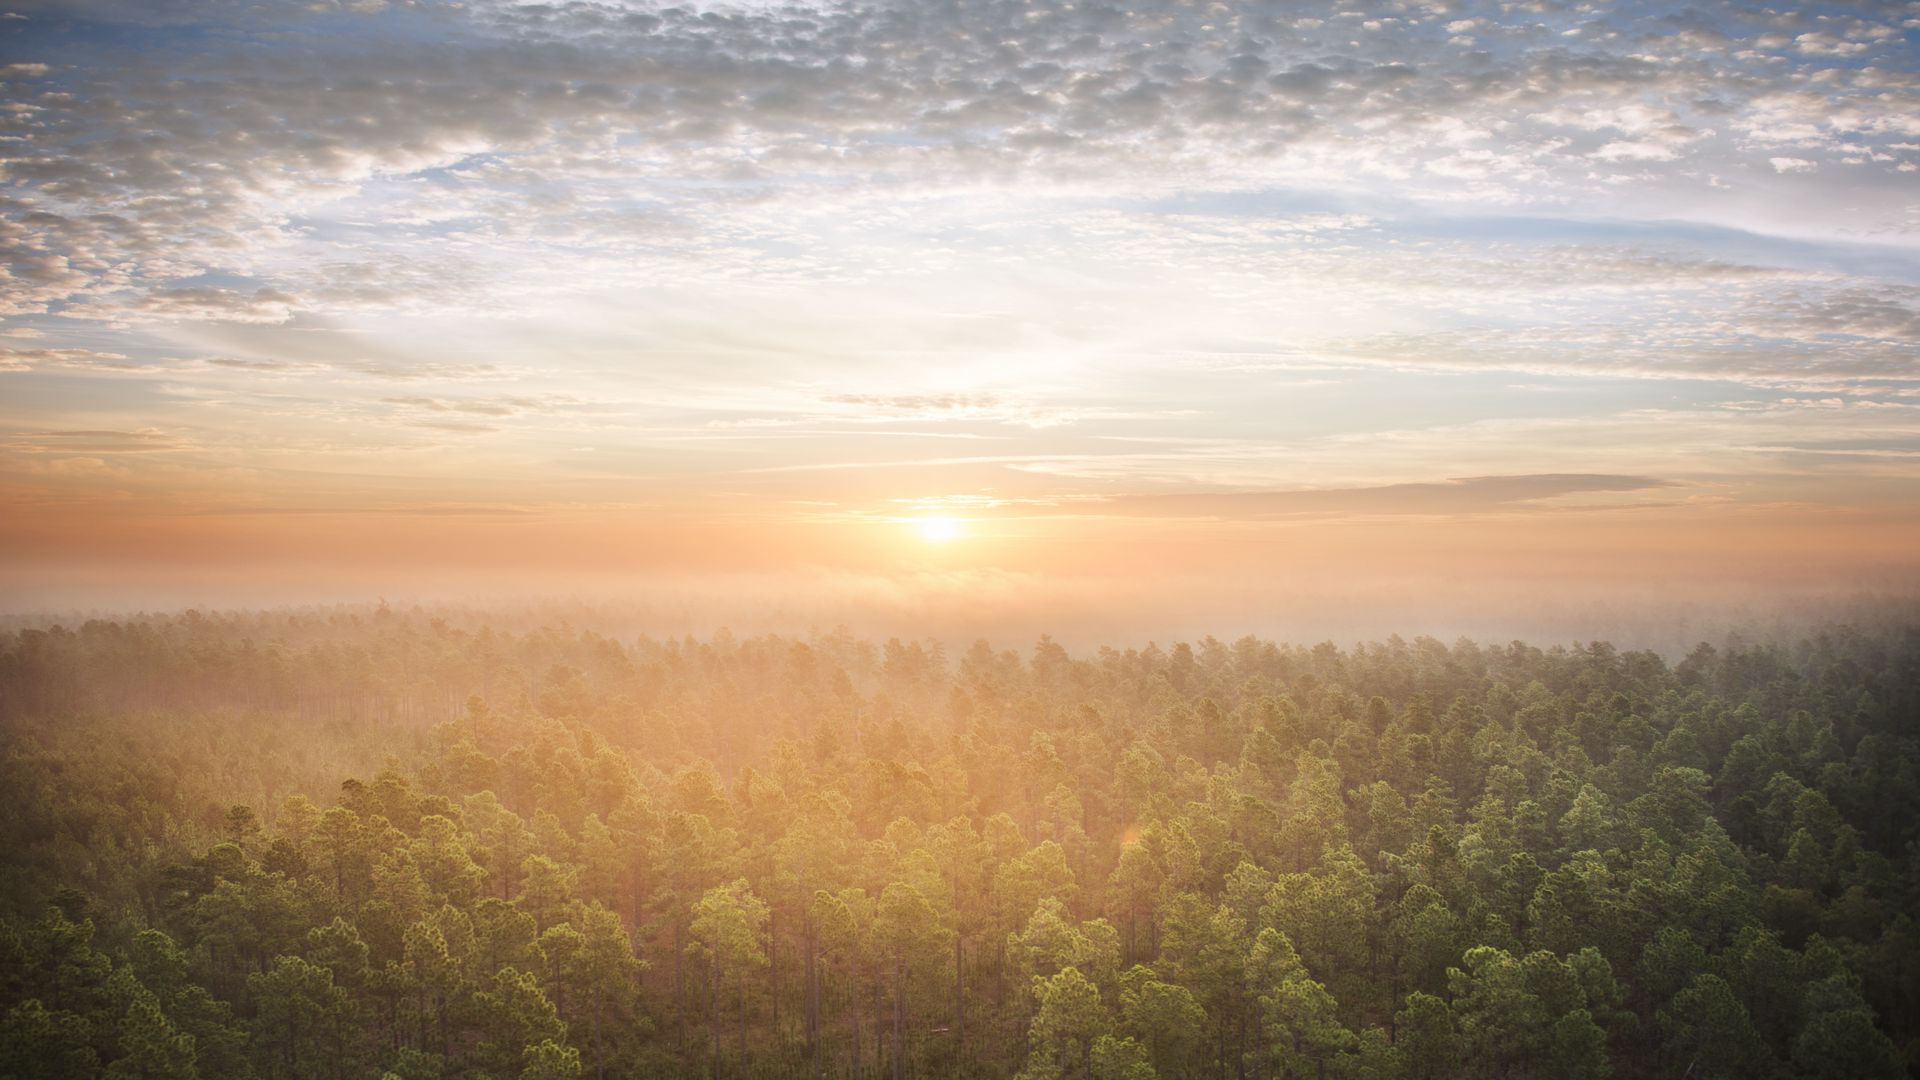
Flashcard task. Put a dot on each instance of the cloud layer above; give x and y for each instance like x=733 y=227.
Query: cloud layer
x=833 y=263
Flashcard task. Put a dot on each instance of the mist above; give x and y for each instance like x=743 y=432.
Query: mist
x=1012 y=609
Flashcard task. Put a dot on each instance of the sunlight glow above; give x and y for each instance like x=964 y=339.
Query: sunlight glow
x=937 y=530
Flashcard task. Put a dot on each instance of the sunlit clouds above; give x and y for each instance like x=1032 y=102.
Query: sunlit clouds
x=1450 y=289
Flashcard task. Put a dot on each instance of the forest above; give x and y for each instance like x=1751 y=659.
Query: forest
x=420 y=844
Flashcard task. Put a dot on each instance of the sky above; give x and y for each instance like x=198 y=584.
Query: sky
x=1076 y=311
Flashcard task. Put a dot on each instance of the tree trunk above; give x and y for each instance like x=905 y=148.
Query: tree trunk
x=1260 y=1054
x=679 y=988
x=899 y=1016
x=999 y=969
x=853 y=1012
x=879 y=1025
x=713 y=1015
x=813 y=1002
x=599 y=1056
x=1240 y=1049
x=960 y=1000
x=773 y=966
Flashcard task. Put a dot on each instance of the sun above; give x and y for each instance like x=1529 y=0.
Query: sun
x=937 y=530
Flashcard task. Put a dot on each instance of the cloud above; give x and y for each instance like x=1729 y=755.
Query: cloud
x=15 y=359
x=265 y=365
x=922 y=404
x=1784 y=333
x=1891 y=315
x=262 y=305
x=1825 y=44
x=624 y=136
x=1465 y=495
x=470 y=415
x=91 y=442
x=501 y=406
x=990 y=408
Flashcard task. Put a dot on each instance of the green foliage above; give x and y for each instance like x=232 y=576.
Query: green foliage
x=551 y=1061
x=1165 y=1019
x=303 y=1019
x=1709 y=1034
x=563 y=854
x=727 y=924
x=1424 y=1032
x=1068 y=1020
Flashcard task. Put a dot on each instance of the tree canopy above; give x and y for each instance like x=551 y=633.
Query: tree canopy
x=430 y=845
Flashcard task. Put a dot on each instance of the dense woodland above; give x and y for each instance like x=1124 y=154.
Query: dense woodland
x=429 y=845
